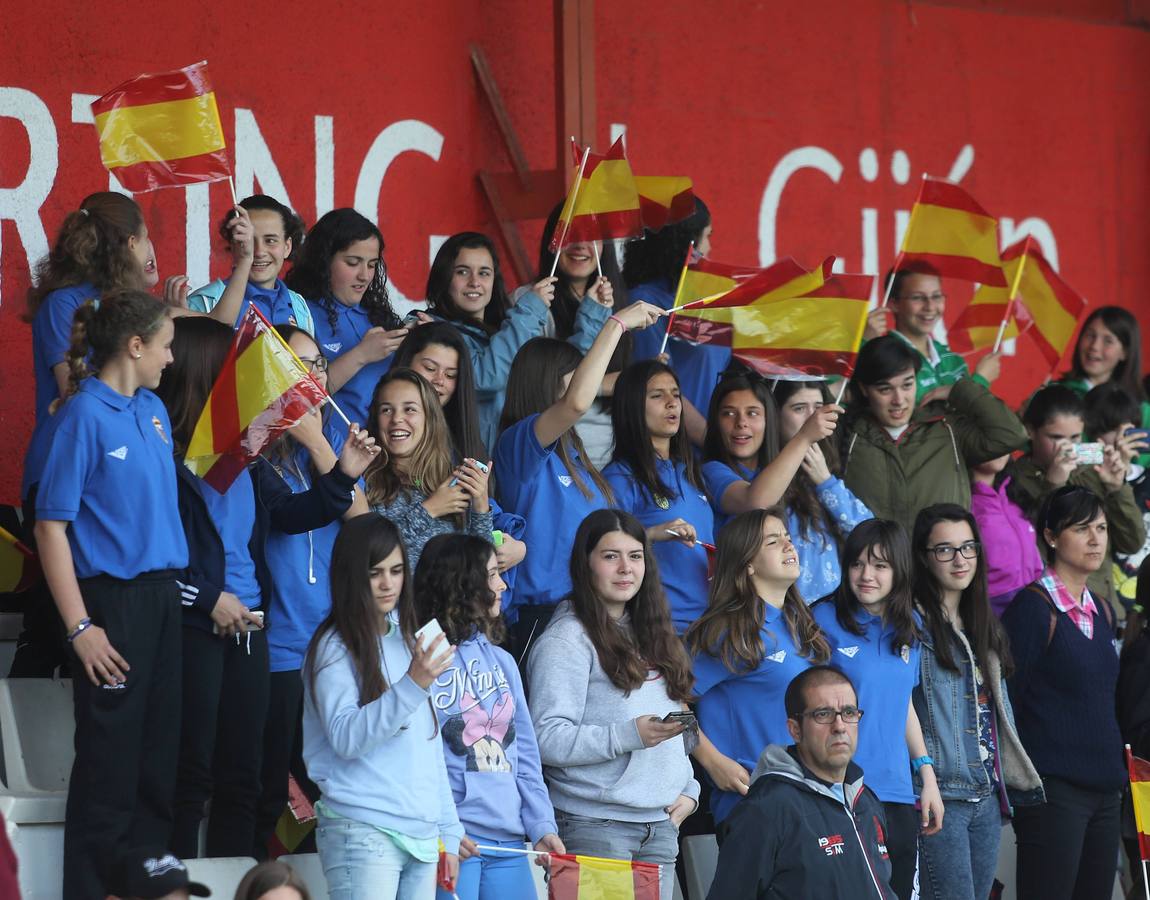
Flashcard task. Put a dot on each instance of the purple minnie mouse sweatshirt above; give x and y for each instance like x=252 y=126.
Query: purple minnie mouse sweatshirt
x=489 y=746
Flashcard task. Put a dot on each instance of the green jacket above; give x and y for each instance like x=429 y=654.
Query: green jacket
x=930 y=461
x=1125 y=528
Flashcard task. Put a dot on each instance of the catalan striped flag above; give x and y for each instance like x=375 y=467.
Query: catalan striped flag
x=1139 y=770
x=1044 y=307
x=603 y=203
x=262 y=390
x=949 y=232
x=592 y=878
x=664 y=199
x=162 y=130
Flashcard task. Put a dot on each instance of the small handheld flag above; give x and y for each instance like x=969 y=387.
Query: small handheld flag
x=162 y=130
x=592 y=878
x=603 y=202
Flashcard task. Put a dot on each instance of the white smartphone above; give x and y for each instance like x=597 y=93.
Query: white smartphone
x=429 y=633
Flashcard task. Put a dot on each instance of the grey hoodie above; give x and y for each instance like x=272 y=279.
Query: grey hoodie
x=593 y=759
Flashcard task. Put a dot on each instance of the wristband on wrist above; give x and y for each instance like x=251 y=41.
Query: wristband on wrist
x=917 y=764
x=620 y=322
x=83 y=625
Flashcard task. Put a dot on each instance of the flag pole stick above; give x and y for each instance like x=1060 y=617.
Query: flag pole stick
x=598 y=264
x=1145 y=880
x=842 y=390
x=1010 y=299
x=678 y=293
x=890 y=282
x=512 y=850
x=571 y=214
x=329 y=399
x=232 y=185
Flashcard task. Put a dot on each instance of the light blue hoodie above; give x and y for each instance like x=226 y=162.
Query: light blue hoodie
x=380 y=764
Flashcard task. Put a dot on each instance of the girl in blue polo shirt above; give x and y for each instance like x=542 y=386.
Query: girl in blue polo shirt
x=744 y=468
x=314 y=463
x=655 y=476
x=465 y=287
x=276 y=233
x=110 y=540
x=651 y=272
x=342 y=275
x=756 y=635
x=874 y=634
x=544 y=474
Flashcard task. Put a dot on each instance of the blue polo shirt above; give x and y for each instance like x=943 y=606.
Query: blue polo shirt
x=533 y=482
x=51 y=340
x=884 y=681
x=351 y=324
x=280 y=305
x=111 y=474
x=300 y=565
x=718 y=476
x=683 y=569
x=741 y=712
x=234 y=514
x=697 y=366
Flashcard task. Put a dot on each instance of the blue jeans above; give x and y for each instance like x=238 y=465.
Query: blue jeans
x=653 y=842
x=958 y=863
x=360 y=862
x=493 y=876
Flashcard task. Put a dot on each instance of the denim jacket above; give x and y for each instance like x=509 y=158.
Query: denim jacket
x=947 y=707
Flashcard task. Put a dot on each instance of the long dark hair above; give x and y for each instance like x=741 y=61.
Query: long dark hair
x=293 y=224
x=311 y=273
x=626 y=657
x=715 y=448
x=1124 y=325
x=534 y=384
x=659 y=255
x=362 y=542
x=199 y=349
x=731 y=630
x=982 y=628
x=266 y=877
x=888 y=541
x=451 y=586
x=1064 y=508
x=99 y=333
x=442 y=270
x=462 y=410
x=91 y=245
x=633 y=443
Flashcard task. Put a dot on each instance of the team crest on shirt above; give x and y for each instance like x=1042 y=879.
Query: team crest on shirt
x=159 y=426
x=334 y=348
x=565 y=480
x=905 y=653
x=662 y=503
x=119 y=452
x=849 y=652
x=778 y=656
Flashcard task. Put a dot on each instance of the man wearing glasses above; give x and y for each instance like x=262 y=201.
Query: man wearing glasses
x=918 y=303
x=808 y=827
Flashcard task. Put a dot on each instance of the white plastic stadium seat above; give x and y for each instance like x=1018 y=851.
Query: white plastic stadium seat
x=36 y=731
x=700 y=859
x=310 y=870
x=222 y=874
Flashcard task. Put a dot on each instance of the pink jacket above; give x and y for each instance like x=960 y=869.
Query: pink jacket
x=1009 y=543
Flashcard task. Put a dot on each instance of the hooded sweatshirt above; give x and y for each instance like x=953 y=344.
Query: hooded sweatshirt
x=594 y=760
x=794 y=837
x=489 y=745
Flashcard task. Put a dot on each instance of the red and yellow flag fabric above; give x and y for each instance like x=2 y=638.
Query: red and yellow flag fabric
x=262 y=390
x=950 y=233
x=591 y=878
x=603 y=203
x=1140 y=794
x=706 y=277
x=664 y=199
x=787 y=322
x=1045 y=307
x=162 y=130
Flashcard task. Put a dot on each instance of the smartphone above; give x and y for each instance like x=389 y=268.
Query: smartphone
x=1139 y=434
x=429 y=633
x=481 y=466
x=411 y=320
x=248 y=626
x=1088 y=454
x=683 y=716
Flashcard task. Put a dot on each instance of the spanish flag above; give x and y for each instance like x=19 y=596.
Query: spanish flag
x=603 y=203
x=949 y=232
x=707 y=278
x=262 y=390
x=1140 y=794
x=1043 y=306
x=162 y=130
x=592 y=878
x=664 y=199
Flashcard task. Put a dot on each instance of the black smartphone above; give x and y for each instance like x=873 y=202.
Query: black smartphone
x=682 y=716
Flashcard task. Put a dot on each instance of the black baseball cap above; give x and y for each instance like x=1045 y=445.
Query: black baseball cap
x=151 y=874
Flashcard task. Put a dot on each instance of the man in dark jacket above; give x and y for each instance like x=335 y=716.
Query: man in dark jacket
x=808 y=827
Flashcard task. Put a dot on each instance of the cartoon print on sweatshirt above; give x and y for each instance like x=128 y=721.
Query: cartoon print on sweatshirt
x=481 y=736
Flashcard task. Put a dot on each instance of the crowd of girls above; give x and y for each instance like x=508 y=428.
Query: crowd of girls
x=629 y=555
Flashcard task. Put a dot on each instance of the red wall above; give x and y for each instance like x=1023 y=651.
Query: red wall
x=1044 y=116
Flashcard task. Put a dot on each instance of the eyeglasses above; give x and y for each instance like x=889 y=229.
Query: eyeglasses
x=945 y=552
x=824 y=715
x=936 y=297
x=318 y=364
